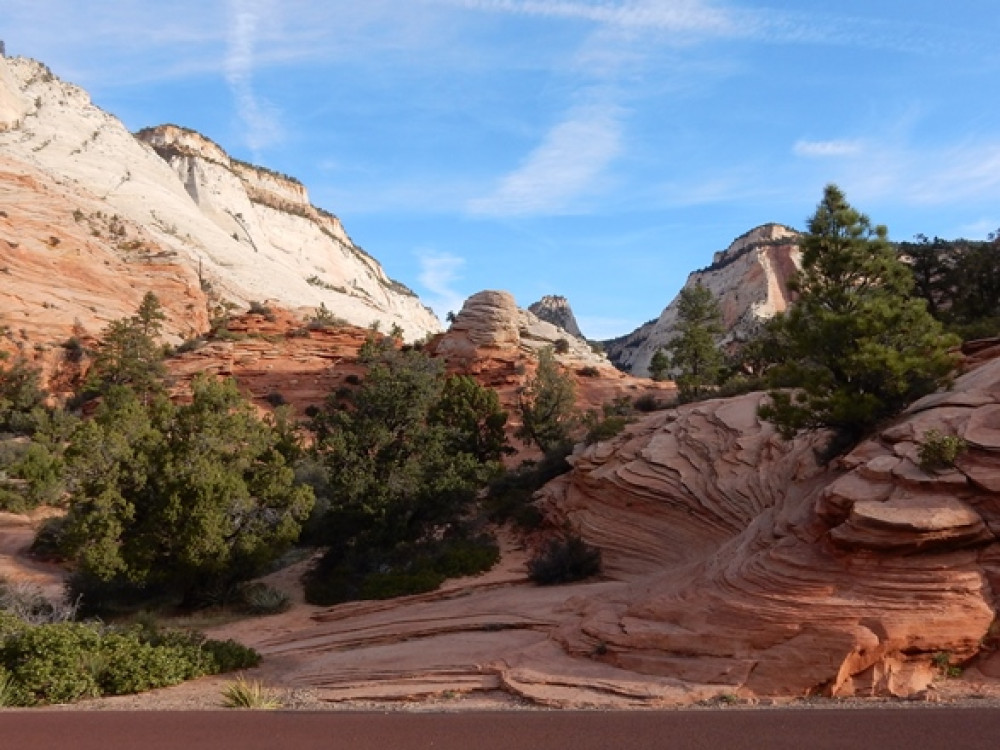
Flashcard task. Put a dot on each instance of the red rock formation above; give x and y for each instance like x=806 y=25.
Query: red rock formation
x=754 y=568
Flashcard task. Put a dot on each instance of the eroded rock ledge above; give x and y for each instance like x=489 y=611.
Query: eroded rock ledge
x=754 y=568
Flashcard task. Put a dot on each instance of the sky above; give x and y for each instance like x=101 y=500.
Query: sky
x=596 y=149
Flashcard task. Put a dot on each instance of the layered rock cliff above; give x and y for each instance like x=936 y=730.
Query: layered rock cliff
x=750 y=281
x=245 y=233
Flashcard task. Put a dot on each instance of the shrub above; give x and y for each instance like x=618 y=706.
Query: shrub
x=588 y=372
x=28 y=603
x=606 y=429
x=509 y=496
x=260 y=599
x=259 y=308
x=275 y=398
x=938 y=451
x=391 y=584
x=46 y=662
x=647 y=402
x=564 y=560
x=229 y=656
x=243 y=693
x=561 y=346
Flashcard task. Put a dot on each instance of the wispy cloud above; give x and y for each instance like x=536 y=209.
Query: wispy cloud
x=260 y=119
x=680 y=15
x=824 y=149
x=568 y=163
x=438 y=274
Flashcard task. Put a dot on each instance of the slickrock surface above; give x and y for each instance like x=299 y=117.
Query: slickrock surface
x=756 y=569
x=750 y=281
x=736 y=565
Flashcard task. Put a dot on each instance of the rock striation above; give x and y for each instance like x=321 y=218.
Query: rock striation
x=756 y=569
x=556 y=310
x=750 y=281
x=246 y=233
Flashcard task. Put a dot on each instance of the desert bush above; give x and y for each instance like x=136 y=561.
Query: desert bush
x=46 y=662
x=244 y=693
x=259 y=308
x=588 y=372
x=561 y=346
x=509 y=496
x=276 y=398
x=64 y=662
x=605 y=429
x=260 y=599
x=407 y=570
x=564 y=560
x=938 y=451
x=28 y=603
x=647 y=402
x=229 y=656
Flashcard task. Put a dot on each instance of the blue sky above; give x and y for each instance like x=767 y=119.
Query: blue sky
x=598 y=149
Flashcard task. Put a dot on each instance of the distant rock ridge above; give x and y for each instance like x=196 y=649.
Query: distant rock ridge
x=556 y=310
x=750 y=281
x=248 y=233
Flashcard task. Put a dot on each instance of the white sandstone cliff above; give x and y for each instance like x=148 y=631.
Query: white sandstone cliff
x=749 y=280
x=251 y=234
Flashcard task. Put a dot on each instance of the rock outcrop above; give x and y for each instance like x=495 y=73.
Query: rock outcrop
x=756 y=569
x=492 y=320
x=750 y=281
x=246 y=233
x=556 y=310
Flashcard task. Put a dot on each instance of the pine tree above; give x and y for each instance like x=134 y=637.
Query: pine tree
x=129 y=353
x=856 y=347
x=694 y=354
x=659 y=363
x=547 y=405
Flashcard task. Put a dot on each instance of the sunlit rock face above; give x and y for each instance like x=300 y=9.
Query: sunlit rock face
x=557 y=311
x=754 y=567
x=243 y=233
x=750 y=282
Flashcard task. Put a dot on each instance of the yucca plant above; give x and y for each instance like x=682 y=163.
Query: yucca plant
x=244 y=693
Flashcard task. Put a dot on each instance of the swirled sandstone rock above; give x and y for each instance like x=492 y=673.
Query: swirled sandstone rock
x=755 y=568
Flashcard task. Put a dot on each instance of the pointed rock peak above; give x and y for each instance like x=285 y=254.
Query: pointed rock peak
x=556 y=310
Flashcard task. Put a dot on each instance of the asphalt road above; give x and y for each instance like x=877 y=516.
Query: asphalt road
x=730 y=729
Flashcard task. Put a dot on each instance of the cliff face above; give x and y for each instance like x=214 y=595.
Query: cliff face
x=750 y=281
x=246 y=233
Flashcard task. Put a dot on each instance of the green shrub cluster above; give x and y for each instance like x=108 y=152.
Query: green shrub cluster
x=410 y=569
x=510 y=496
x=564 y=560
x=70 y=661
x=938 y=451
